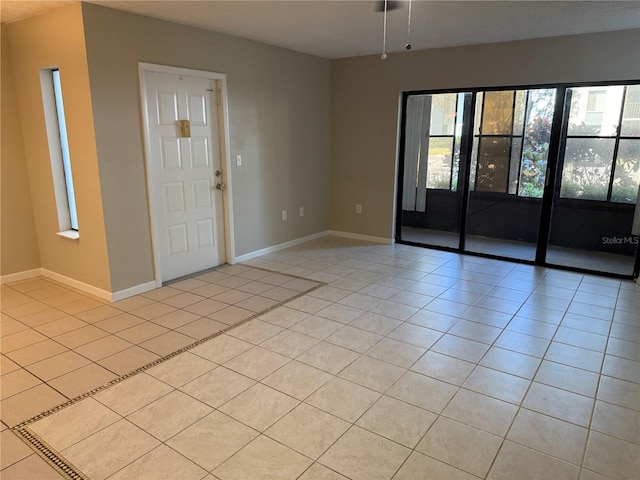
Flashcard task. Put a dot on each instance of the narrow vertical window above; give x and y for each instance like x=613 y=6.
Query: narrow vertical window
x=59 y=151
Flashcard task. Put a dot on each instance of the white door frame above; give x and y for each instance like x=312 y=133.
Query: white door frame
x=225 y=155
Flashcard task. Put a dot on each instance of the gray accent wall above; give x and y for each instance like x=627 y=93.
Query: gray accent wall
x=365 y=105
x=279 y=122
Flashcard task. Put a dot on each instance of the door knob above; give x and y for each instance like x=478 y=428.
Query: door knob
x=220 y=186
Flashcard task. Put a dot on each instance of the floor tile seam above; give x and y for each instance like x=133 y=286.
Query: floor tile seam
x=443 y=333
x=325 y=340
x=15 y=462
x=492 y=345
x=47 y=453
x=637 y=412
x=570 y=391
x=70 y=289
x=438 y=414
x=210 y=470
x=564 y=342
x=148 y=432
x=23 y=426
x=45 y=382
x=587 y=431
x=56 y=283
x=354 y=425
x=321 y=465
x=439 y=460
x=290 y=360
x=623 y=358
x=161 y=444
x=300 y=402
x=71 y=470
x=42 y=382
x=313 y=460
x=75 y=350
x=214 y=283
x=521 y=406
x=442 y=414
x=595 y=398
x=180 y=388
x=586 y=448
x=34 y=328
x=138 y=344
x=237 y=452
x=604 y=359
x=140 y=407
x=152 y=364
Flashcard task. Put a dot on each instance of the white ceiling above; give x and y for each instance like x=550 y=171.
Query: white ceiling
x=337 y=28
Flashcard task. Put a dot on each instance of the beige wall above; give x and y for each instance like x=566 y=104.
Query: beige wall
x=57 y=39
x=284 y=108
x=365 y=95
x=19 y=243
x=279 y=122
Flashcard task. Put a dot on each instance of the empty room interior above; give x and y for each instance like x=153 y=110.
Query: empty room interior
x=320 y=240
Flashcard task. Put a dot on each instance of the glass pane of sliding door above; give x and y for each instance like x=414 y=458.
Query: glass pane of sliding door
x=595 y=202
x=431 y=189
x=511 y=135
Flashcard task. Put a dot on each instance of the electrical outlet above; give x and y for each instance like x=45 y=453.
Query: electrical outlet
x=284 y=215
x=239 y=160
x=302 y=211
x=358 y=208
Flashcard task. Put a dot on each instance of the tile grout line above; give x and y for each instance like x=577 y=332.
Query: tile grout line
x=460 y=388
x=161 y=359
x=260 y=313
x=361 y=353
x=151 y=364
x=57 y=461
x=49 y=455
x=595 y=394
x=531 y=382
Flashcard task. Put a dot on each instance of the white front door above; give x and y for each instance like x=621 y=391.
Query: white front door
x=184 y=169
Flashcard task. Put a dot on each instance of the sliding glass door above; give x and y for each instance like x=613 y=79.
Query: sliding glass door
x=431 y=193
x=596 y=199
x=508 y=169
x=475 y=174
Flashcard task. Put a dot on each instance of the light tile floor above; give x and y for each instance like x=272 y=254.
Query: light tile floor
x=409 y=364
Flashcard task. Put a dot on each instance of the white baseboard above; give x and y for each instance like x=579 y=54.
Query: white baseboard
x=280 y=246
x=16 y=277
x=298 y=241
x=72 y=282
x=84 y=287
x=358 y=236
x=131 y=291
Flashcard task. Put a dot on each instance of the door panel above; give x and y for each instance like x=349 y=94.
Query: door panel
x=431 y=201
x=509 y=162
x=186 y=208
x=594 y=204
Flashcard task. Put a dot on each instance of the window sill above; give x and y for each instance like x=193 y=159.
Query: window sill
x=70 y=234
